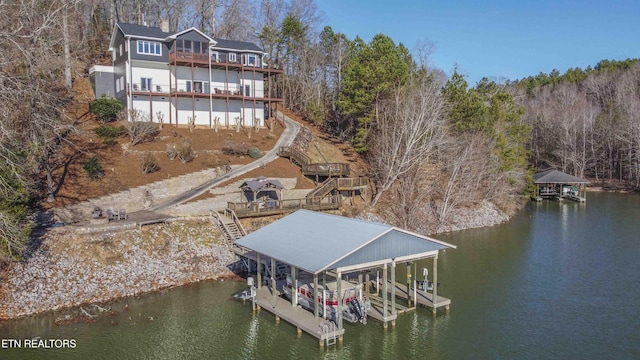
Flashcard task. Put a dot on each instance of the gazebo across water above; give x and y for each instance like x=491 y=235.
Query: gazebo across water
x=558 y=185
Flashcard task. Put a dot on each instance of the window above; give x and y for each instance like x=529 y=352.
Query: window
x=188 y=85
x=215 y=56
x=232 y=57
x=145 y=84
x=247 y=90
x=149 y=47
x=120 y=47
x=252 y=60
x=118 y=85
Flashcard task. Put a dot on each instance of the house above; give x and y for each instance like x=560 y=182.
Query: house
x=188 y=78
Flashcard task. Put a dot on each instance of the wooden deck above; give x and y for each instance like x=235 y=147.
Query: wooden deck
x=302 y=319
x=423 y=298
x=273 y=207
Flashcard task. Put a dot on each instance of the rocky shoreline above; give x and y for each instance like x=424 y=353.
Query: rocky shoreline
x=70 y=269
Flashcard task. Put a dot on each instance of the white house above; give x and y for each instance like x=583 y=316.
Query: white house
x=185 y=77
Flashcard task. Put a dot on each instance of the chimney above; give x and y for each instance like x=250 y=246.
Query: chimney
x=164 y=25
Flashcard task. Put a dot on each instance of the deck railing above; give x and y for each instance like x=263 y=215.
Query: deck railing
x=271 y=207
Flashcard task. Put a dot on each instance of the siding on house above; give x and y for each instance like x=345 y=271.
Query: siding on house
x=178 y=77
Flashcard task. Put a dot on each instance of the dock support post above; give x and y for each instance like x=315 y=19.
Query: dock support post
x=315 y=295
x=294 y=286
x=435 y=283
x=384 y=295
x=340 y=339
x=273 y=278
x=367 y=283
x=393 y=290
x=409 y=284
x=258 y=269
x=340 y=299
x=277 y=319
x=300 y=332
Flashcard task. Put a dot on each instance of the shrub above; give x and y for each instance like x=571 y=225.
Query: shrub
x=234 y=148
x=92 y=168
x=254 y=153
x=172 y=151
x=108 y=132
x=149 y=163
x=106 y=108
x=185 y=152
x=141 y=131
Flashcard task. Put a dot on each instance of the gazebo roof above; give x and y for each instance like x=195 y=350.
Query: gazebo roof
x=316 y=242
x=557 y=177
x=261 y=183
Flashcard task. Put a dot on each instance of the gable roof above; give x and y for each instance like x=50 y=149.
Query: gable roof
x=176 y=35
x=261 y=183
x=557 y=177
x=316 y=242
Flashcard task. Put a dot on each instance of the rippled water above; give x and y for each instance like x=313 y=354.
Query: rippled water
x=559 y=281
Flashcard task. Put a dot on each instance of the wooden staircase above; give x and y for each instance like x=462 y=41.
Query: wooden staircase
x=229 y=224
x=340 y=184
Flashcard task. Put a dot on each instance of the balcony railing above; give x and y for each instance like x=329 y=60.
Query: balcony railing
x=216 y=59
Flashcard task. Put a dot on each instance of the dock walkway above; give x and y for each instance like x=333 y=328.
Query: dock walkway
x=302 y=319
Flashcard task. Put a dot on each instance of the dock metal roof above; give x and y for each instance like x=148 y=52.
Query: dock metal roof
x=557 y=177
x=315 y=242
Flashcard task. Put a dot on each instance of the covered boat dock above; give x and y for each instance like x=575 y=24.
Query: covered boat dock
x=320 y=248
x=554 y=184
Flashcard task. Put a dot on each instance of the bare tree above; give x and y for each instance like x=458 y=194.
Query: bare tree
x=410 y=129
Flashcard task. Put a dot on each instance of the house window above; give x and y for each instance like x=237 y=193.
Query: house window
x=252 y=60
x=232 y=57
x=188 y=85
x=215 y=56
x=247 y=90
x=149 y=47
x=145 y=84
x=120 y=47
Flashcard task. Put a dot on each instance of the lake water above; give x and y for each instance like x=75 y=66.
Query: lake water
x=559 y=281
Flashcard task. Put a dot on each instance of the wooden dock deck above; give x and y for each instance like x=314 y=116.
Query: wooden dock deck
x=423 y=298
x=302 y=319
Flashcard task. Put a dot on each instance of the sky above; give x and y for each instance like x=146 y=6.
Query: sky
x=497 y=39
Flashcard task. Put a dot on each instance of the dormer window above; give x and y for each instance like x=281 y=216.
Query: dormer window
x=149 y=47
x=232 y=57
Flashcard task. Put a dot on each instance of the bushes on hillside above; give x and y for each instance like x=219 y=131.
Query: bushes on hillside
x=149 y=163
x=105 y=108
x=109 y=133
x=185 y=152
x=254 y=153
x=92 y=168
x=141 y=131
x=234 y=148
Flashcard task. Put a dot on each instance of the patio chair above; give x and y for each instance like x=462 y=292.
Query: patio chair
x=111 y=215
x=96 y=213
x=122 y=215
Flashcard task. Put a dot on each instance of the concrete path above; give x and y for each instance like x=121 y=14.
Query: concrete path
x=286 y=139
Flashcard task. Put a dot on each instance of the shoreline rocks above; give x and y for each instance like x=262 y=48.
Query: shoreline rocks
x=70 y=269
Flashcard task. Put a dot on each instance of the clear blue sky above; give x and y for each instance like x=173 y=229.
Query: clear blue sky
x=511 y=39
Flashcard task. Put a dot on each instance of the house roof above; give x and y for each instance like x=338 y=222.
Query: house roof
x=261 y=183
x=315 y=242
x=142 y=31
x=156 y=33
x=557 y=177
x=237 y=45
